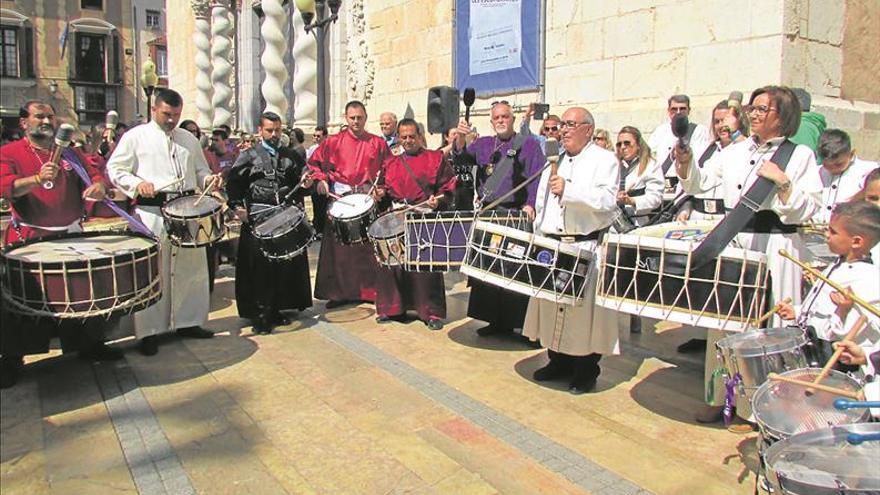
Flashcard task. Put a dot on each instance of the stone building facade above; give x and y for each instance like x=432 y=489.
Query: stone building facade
x=619 y=58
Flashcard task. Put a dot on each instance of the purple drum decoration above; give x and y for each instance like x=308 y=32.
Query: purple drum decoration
x=437 y=241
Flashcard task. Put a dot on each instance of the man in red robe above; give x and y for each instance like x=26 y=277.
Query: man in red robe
x=415 y=177
x=37 y=211
x=347 y=162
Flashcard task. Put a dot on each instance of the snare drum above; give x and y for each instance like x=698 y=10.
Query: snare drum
x=753 y=355
x=387 y=234
x=784 y=409
x=527 y=263
x=284 y=233
x=194 y=225
x=351 y=217
x=726 y=294
x=437 y=241
x=823 y=462
x=81 y=275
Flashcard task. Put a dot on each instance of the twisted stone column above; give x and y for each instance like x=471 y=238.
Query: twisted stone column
x=202 y=40
x=273 y=32
x=221 y=27
x=305 y=92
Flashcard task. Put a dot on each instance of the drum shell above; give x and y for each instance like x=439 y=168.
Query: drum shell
x=819 y=482
x=782 y=410
x=83 y=288
x=387 y=237
x=194 y=230
x=755 y=365
x=290 y=242
x=353 y=229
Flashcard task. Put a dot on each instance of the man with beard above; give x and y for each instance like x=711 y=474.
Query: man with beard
x=262 y=177
x=414 y=177
x=347 y=162
x=147 y=158
x=38 y=211
x=505 y=160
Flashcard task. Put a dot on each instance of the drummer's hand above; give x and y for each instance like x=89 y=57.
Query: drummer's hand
x=683 y=216
x=241 y=214
x=378 y=193
x=852 y=352
x=785 y=311
x=682 y=158
x=461 y=132
x=96 y=191
x=433 y=202
x=214 y=181
x=48 y=172
x=146 y=189
x=307 y=181
x=557 y=185
x=772 y=171
x=322 y=188
x=843 y=302
x=623 y=199
x=530 y=212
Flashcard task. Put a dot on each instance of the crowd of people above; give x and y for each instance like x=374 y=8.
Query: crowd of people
x=603 y=182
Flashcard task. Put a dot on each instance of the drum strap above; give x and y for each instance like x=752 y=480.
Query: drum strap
x=503 y=167
x=136 y=225
x=734 y=222
x=707 y=154
x=425 y=189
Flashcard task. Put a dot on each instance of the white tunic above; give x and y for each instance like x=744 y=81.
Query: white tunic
x=147 y=153
x=651 y=180
x=662 y=140
x=714 y=193
x=840 y=188
x=733 y=170
x=587 y=204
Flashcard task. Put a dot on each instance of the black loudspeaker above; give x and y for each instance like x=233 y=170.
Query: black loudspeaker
x=443 y=104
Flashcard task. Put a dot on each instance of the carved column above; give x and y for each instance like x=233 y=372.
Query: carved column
x=359 y=63
x=273 y=32
x=305 y=53
x=221 y=28
x=202 y=40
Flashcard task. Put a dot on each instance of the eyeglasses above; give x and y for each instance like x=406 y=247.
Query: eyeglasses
x=552 y=128
x=759 y=109
x=621 y=144
x=502 y=102
x=570 y=124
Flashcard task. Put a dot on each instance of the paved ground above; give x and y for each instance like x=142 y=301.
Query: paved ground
x=337 y=404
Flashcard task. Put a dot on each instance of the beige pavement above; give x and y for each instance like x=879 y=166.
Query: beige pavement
x=334 y=403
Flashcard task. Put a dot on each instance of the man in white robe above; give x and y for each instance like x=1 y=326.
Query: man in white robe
x=149 y=160
x=576 y=206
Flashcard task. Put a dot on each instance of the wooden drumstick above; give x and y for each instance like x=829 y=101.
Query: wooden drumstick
x=824 y=388
x=551 y=150
x=766 y=316
x=413 y=207
x=856 y=299
x=853 y=332
x=206 y=191
x=170 y=185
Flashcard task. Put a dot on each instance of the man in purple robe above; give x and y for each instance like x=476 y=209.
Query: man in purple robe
x=504 y=161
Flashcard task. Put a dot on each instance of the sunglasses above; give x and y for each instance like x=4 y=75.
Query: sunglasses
x=501 y=102
x=598 y=138
x=624 y=143
x=552 y=128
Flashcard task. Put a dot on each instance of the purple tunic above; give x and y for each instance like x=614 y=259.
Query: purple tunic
x=489 y=149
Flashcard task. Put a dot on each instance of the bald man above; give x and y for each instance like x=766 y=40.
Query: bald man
x=388 y=125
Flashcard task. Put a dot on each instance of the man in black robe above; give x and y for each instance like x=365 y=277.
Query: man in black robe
x=262 y=177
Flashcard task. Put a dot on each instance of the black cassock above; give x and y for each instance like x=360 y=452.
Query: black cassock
x=264 y=286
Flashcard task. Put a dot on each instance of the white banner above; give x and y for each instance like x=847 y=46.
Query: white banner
x=495 y=35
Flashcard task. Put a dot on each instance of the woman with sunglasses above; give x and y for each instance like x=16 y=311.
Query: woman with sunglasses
x=641 y=180
x=603 y=138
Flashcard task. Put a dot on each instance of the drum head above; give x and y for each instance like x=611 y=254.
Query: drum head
x=691 y=231
x=784 y=409
x=824 y=459
x=73 y=248
x=388 y=225
x=351 y=206
x=185 y=206
x=761 y=342
x=280 y=222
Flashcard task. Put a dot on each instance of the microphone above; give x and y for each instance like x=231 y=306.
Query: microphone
x=110 y=122
x=680 y=129
x=62 y=140
x=469 y=96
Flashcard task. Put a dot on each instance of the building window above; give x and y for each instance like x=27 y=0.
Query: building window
x=93 y=102
x=8 y=52
x=161 y=61
x=91 y=57
x=154 y=19
x=92 y=4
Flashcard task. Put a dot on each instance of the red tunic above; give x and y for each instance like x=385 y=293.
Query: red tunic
x=57 y=207
x=348 y=159
x=399 y=291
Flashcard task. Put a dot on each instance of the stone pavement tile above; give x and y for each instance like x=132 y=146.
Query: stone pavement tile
x=22 y=458
x=463 y=482
x=275 y=461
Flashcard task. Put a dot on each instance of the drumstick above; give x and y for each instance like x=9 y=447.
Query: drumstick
x=772 y=312
x=170 y=184
x=856 y=299
x=339 y=198
x=206 y=191
x=825 y=388
x=856 y=328
x=413 y=207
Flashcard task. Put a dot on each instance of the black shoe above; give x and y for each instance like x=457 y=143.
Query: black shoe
x=278 y=318
x=582 y=385
x=693 y=345
x=195 y=333
x=262 y=327
x=10 y=369
x=101 y=352
x=434 y=324
x=491 y=330
x=149 y=346
x=383 y=319
x=556 y=368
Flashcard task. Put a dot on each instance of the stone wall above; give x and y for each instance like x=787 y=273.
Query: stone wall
x=182 y=53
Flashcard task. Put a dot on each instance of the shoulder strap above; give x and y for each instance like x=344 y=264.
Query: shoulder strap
x=668 y=161
x=412 y=174
x=503 y=167
x=707 y=154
